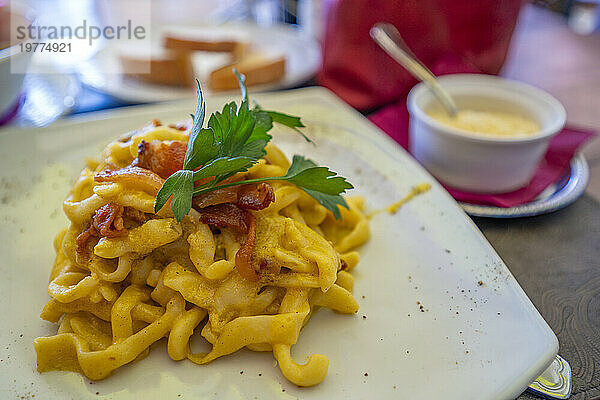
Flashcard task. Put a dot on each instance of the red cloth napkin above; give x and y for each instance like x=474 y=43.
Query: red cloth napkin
x=450 y=37
x=394 y=121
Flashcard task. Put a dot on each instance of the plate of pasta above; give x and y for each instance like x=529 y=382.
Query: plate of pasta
x=229 y=256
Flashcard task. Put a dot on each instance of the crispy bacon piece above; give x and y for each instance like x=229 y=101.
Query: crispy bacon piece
x=219 y=196
x=255 y=197
x=160 y=157
x=228 y=207
x=243 y=258
x=243 y=221
x=343 y=265
x=247 y=197
x=225 y=215
x=106 y=222
x=82 y=240
x=133 y=176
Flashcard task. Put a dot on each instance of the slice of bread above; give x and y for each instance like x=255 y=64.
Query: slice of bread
x=205 y=62
x=172 y=68
x=188 y=44
x=259 y=69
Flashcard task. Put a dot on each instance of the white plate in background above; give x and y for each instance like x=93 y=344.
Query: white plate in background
x=474 y=341
x=302 y=54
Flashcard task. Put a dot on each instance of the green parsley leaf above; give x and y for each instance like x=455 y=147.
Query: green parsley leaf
x=319 y=182
x=235 y=140
x=304 y=173
x=180 y=185
x=254 y=149
x=220 y=122
x=242 y=127
x=329 y=201
x=299 y=164
x=263 y=125
x=290 y=121
x=285 y=119
x=242 y=82
x=223 y=166
x=201 y=147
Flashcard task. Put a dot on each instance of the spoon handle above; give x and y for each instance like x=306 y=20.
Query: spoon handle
x=389 y=39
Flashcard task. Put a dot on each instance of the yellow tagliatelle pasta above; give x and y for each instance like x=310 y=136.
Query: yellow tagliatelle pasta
x=125 y=277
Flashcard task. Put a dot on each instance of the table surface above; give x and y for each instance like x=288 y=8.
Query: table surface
x=546 y=53
x=555 y=260
x=555 y=257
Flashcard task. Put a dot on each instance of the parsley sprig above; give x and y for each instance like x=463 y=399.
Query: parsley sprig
x=234 y=140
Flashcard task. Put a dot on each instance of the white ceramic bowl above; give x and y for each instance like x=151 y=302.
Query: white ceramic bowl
x=477 y=163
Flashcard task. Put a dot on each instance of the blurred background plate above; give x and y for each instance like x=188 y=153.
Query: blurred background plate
x=301 y=51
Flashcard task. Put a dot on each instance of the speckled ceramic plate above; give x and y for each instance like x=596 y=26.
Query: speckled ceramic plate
x=555 y=197
x=477 y=335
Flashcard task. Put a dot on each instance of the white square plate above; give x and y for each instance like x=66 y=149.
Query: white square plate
x=478 y=335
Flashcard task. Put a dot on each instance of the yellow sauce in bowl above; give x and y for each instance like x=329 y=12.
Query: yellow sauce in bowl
x=487 y=123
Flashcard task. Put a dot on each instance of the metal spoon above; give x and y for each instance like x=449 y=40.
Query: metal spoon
x=389 y=39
